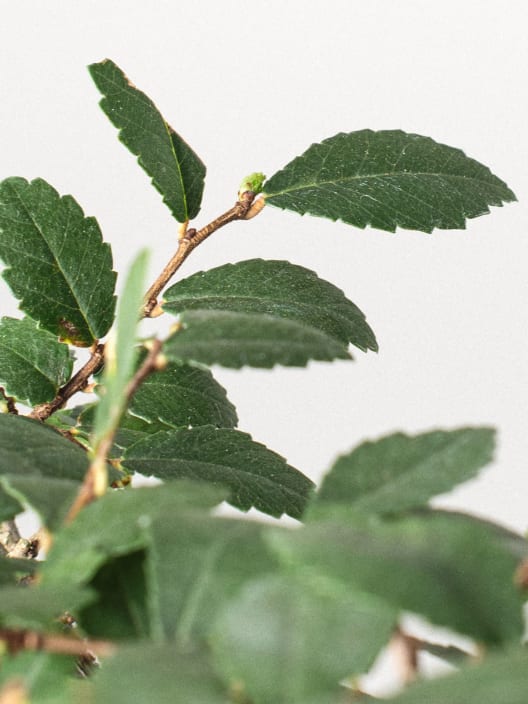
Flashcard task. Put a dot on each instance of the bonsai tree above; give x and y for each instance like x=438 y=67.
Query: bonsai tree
x=144 y=593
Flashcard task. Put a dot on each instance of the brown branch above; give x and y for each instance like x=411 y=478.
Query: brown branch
x=77 y=383
x=18 y=640
x=191 y=239
x=96 y=479
x=10 y=402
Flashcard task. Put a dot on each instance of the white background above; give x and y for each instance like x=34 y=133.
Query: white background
x=250 y=86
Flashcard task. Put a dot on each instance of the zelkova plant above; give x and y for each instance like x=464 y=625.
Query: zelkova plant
x=146 y=594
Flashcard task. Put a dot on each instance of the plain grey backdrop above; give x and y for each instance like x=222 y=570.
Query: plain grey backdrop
x=250 y=86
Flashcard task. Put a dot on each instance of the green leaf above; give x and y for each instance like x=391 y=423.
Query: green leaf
x=40 y=607
x=45 y=677
x=59 y=267
x=500 y=678
x=193 y=563
x=401 y=472
x=122 y=609
x=121 y=352
x=256 y=476
x=12 y=570
x=292 y=639
x=31 y=449
x=278 y=289
x=183 y=395
x=33 y=364
x=176 y=171
x=454 y=570
x=387 y=179
x=111 y=527
x=139 y=672
x=253 y=339
x=50 y=497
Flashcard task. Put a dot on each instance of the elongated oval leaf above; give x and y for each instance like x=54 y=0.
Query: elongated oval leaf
x=33 y=363
x=400 y=472
x=253 y=339
x=291 y=639
x=121 y=352
x=387 y=179
x=176 y=171
x=276 y=288
x=59 y=267
x=256 y=476
x=183 y=395
x=450 y=568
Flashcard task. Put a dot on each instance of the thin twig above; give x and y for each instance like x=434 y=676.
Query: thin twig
x=10 y=402
x=191 y=239
x=17 y=640
x=77 y=383
x=96 y=479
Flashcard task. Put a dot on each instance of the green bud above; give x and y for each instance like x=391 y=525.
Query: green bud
x=253 y=183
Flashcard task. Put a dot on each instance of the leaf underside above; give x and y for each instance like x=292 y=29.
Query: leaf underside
x=234 y=340
x=176 y=171
x=387 y=179
x=278 y=289
x=58 y=266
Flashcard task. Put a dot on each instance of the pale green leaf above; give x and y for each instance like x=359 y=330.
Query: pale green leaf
x=58 y=266
x=278 y=289
x=39 y=608
x=33 y=363
x=293 y=639
x=454 y=570
x=45 y=677
x=400 y=472
x=162 y=674
x=176 y=171
x=501 y=678
x=256 y=476
x=235 y=340
x=387 y=179
x=121 y=352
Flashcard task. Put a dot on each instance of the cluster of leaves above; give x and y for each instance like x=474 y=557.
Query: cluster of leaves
x=194 y=606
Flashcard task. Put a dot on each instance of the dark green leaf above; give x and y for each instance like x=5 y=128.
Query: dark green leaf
x=456 y=571
x=31 y=449
x=253 y=339
x=59 y=267
x=387 y=179
x=45 y=677
x=121 y=610
x=160 y=674
x=183 y=395
x=33 y=363
x=256 y=476
x=176 y=171
x=400 y=472
x=288 y=639
x=278 y=289
x=500 y=679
